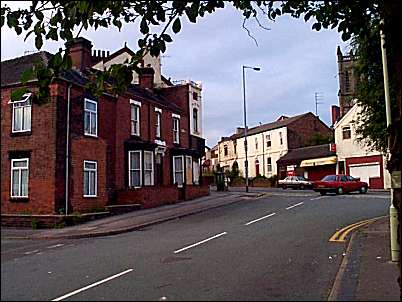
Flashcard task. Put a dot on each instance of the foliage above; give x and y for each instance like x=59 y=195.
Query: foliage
x=234 y=172
x=34 y=223
x=57 y=20
x=370 y=91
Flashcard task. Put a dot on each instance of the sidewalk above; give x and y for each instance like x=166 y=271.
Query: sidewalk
x=131 y=221
x=366 y=272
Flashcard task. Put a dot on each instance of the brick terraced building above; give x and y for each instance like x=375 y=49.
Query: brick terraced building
x=80 y=153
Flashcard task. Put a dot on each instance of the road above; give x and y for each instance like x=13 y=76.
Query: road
x=275 y=247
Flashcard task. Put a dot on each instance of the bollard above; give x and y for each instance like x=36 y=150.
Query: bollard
x=393 y=223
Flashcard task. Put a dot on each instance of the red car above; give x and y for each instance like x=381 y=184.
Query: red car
x=339 y=184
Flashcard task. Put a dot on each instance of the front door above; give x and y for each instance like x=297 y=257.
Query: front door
x=159 y=169
x=257 y=169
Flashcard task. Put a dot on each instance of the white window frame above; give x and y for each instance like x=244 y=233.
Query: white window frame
x=89 y=170
x=196 y=171
x=182 y=171
x=130 y=169
x=158 y=124
x=269 y=164
x=26 y=98
x=136 y=118
x=91 y=112
x=176 y=130
x=147 y=170
x=346 y=129
x=19 y=169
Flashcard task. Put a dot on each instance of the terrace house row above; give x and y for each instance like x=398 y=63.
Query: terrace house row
x=80 y=153
x=267 y=143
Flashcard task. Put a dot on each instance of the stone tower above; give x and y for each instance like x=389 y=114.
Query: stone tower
x=347 y=80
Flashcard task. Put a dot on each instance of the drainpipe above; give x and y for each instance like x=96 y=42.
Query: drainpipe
x=393 y=213
x=67 y=147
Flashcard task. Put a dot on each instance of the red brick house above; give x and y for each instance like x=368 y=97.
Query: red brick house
x=80 y=153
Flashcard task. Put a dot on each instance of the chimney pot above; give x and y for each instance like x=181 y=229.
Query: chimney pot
x=80 y=50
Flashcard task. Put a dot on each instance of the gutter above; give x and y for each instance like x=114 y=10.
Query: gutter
x=67 y=148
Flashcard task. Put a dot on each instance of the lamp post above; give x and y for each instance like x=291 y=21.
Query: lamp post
x=245 y=119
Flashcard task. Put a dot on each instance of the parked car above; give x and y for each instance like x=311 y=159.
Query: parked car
x=296 y=182
x=340 y=184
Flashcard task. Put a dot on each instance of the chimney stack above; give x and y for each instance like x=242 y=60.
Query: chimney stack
x=146 y=77
x=239 y=130
x=335 y=113
x=79 y=50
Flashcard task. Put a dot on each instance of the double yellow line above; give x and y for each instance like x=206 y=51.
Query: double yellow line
x=340 y=236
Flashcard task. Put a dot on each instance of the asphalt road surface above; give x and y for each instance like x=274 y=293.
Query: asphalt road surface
x=275 y=247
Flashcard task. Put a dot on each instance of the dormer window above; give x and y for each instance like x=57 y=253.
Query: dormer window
x=21 y=121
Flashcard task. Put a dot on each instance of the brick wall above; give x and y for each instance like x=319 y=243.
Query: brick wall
x=192 y=192
x=100 y=149
x=40 y=144
x=149 y=197
x=301 y=130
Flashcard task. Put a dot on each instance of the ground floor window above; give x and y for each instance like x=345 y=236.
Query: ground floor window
x=189 y=170
x=19 y=177
x=134 y=169
x=196 y=171
x=178 y=170
x=90 y=178
x=148 y=168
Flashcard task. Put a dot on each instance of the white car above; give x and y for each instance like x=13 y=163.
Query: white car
x=295 y=182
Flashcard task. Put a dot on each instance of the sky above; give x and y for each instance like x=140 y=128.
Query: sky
x=296 y=62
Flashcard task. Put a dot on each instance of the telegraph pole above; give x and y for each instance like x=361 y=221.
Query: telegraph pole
x=317 y=98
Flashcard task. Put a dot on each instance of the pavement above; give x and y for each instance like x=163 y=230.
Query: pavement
x=366 y=272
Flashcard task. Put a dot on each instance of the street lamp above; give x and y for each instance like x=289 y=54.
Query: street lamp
x=245 y=119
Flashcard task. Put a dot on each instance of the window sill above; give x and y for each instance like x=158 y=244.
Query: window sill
x=21 y=133
x=90 y=196
x=90 y=135
x=19 y=199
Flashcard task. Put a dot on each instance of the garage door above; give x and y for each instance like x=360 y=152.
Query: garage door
x=364 y=172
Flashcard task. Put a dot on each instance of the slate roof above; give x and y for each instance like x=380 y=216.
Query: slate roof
x=11 y=71
x=295 y=156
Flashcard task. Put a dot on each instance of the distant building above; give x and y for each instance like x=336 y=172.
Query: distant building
x=354 y=157
x=269 y=142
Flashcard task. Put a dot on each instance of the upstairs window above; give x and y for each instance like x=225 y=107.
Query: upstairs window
x=280 y=138
x=346 y=132
x=21 y=121
x=268 y=139
x=91 y=118
x=225 y=150
x=135 y=117
x=158 y=124
x=256 y=144
x=195 y=120
x=176 y=128
x=19 y=177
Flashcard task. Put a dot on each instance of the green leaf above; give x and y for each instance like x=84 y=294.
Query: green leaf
x=27 y=75
x=38 y=42
x=167 y=38
x=144 y=26
x=176 y=26
x=17 y=94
